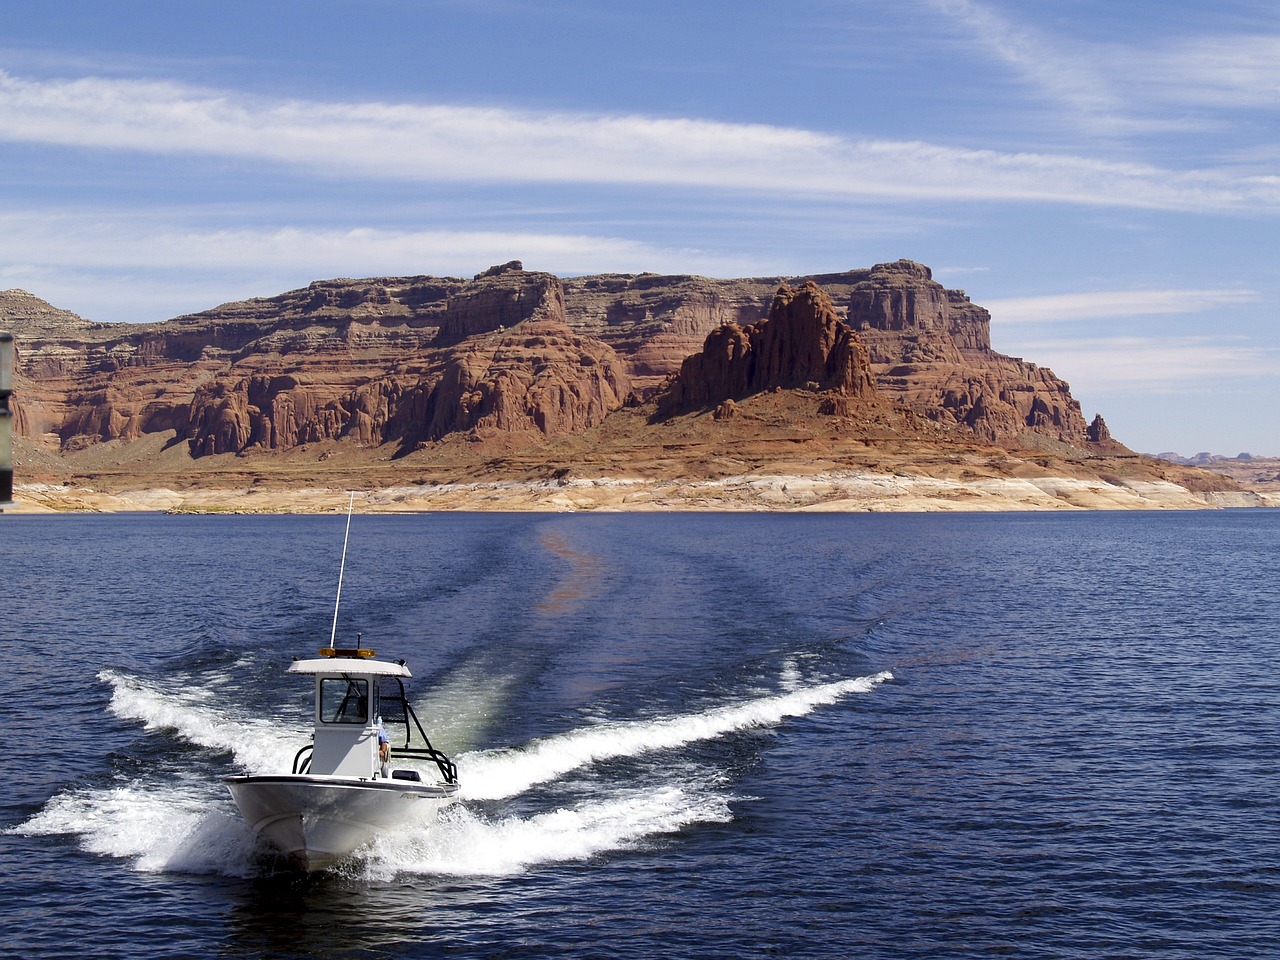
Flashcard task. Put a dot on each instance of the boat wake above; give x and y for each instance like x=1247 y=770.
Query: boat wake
x=496 y=774
x=258 y=745
x=162 y=828
x=464 y=842
x=188 y=823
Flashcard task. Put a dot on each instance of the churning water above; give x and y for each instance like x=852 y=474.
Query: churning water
x=696 y=736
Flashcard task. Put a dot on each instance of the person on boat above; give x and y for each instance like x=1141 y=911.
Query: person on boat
x=384 y=750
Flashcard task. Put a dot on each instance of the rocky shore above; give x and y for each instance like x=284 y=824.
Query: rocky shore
x=827 y=492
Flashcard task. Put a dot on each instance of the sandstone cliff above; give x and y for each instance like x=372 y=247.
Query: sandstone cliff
x=653 y=322
x=801 y=344
x=512 y=357
x=931 y=350
x=537 y=378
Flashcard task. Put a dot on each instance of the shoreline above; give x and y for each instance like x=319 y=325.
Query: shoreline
x=832 y=492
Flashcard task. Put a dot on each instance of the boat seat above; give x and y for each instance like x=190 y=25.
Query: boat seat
x=413 y=775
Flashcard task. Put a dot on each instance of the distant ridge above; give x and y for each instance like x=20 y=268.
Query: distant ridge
x=516 y=374
x=409 y=360
x=1201 y=459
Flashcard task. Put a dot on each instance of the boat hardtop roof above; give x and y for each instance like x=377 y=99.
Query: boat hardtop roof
x=377 y=668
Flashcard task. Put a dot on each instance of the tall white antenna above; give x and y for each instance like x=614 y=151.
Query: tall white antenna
x=341 y=570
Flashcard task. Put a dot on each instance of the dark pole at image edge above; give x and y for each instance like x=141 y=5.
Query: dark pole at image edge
x=6 y=421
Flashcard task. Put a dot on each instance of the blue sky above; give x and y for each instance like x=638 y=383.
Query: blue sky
x=1104 y=177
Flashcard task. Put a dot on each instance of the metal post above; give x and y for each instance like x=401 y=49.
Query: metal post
x=6 y=421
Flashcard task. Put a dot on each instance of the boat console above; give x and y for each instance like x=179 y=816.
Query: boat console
x=354 y=696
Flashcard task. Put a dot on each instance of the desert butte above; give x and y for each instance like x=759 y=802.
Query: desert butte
x=870 y=390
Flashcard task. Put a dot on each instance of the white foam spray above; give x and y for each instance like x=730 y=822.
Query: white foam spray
x=465 y=843
x=161 y=828
x=790 y=679
x=495 y=774
x=259 y=745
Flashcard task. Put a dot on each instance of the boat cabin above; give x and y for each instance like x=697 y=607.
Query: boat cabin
x=348 y=688
x=354 y=696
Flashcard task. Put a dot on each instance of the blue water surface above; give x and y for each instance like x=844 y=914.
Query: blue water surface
x=1076 y=755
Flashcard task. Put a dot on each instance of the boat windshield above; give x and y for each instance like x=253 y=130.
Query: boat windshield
x=343 y=700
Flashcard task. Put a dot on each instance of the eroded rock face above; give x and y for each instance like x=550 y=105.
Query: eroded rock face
x=537 y=379
x=501 y=297
x=1100 y=440
x=26 y=313
x=902 y=297
x=653 y=322
x=931 y=350
x=278 y=412
x=411 y=360
x=802 y=343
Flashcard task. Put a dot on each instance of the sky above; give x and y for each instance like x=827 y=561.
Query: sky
x=1103 y=177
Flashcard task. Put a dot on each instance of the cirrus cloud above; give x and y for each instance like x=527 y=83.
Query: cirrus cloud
x=449 y=143
x=1113 y=303
x=120 y=267
x=1154 y=364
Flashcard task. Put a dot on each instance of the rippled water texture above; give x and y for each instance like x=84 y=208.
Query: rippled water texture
x=695 y=736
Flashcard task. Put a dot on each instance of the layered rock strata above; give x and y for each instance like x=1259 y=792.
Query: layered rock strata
x=536 y=378
x=801 y=344
x=413 y=360
x=931 y=350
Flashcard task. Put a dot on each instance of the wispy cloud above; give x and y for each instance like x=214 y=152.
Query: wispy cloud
x=140 y=268
x=1060 y=74
x=113 y=244
x=137 y=243
x=1117 y=88
x=1113 y=303
x=1154 y=364
x=1226 y=71
x=426 y=142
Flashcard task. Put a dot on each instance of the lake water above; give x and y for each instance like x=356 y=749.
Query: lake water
x=883 y=736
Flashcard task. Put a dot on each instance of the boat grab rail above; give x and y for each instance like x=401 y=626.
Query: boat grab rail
x=395 y=708
x=448 y=769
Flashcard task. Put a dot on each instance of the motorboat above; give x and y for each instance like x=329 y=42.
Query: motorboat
x=341 y=792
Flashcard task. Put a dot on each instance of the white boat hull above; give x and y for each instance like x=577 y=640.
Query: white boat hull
x=318 y=820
